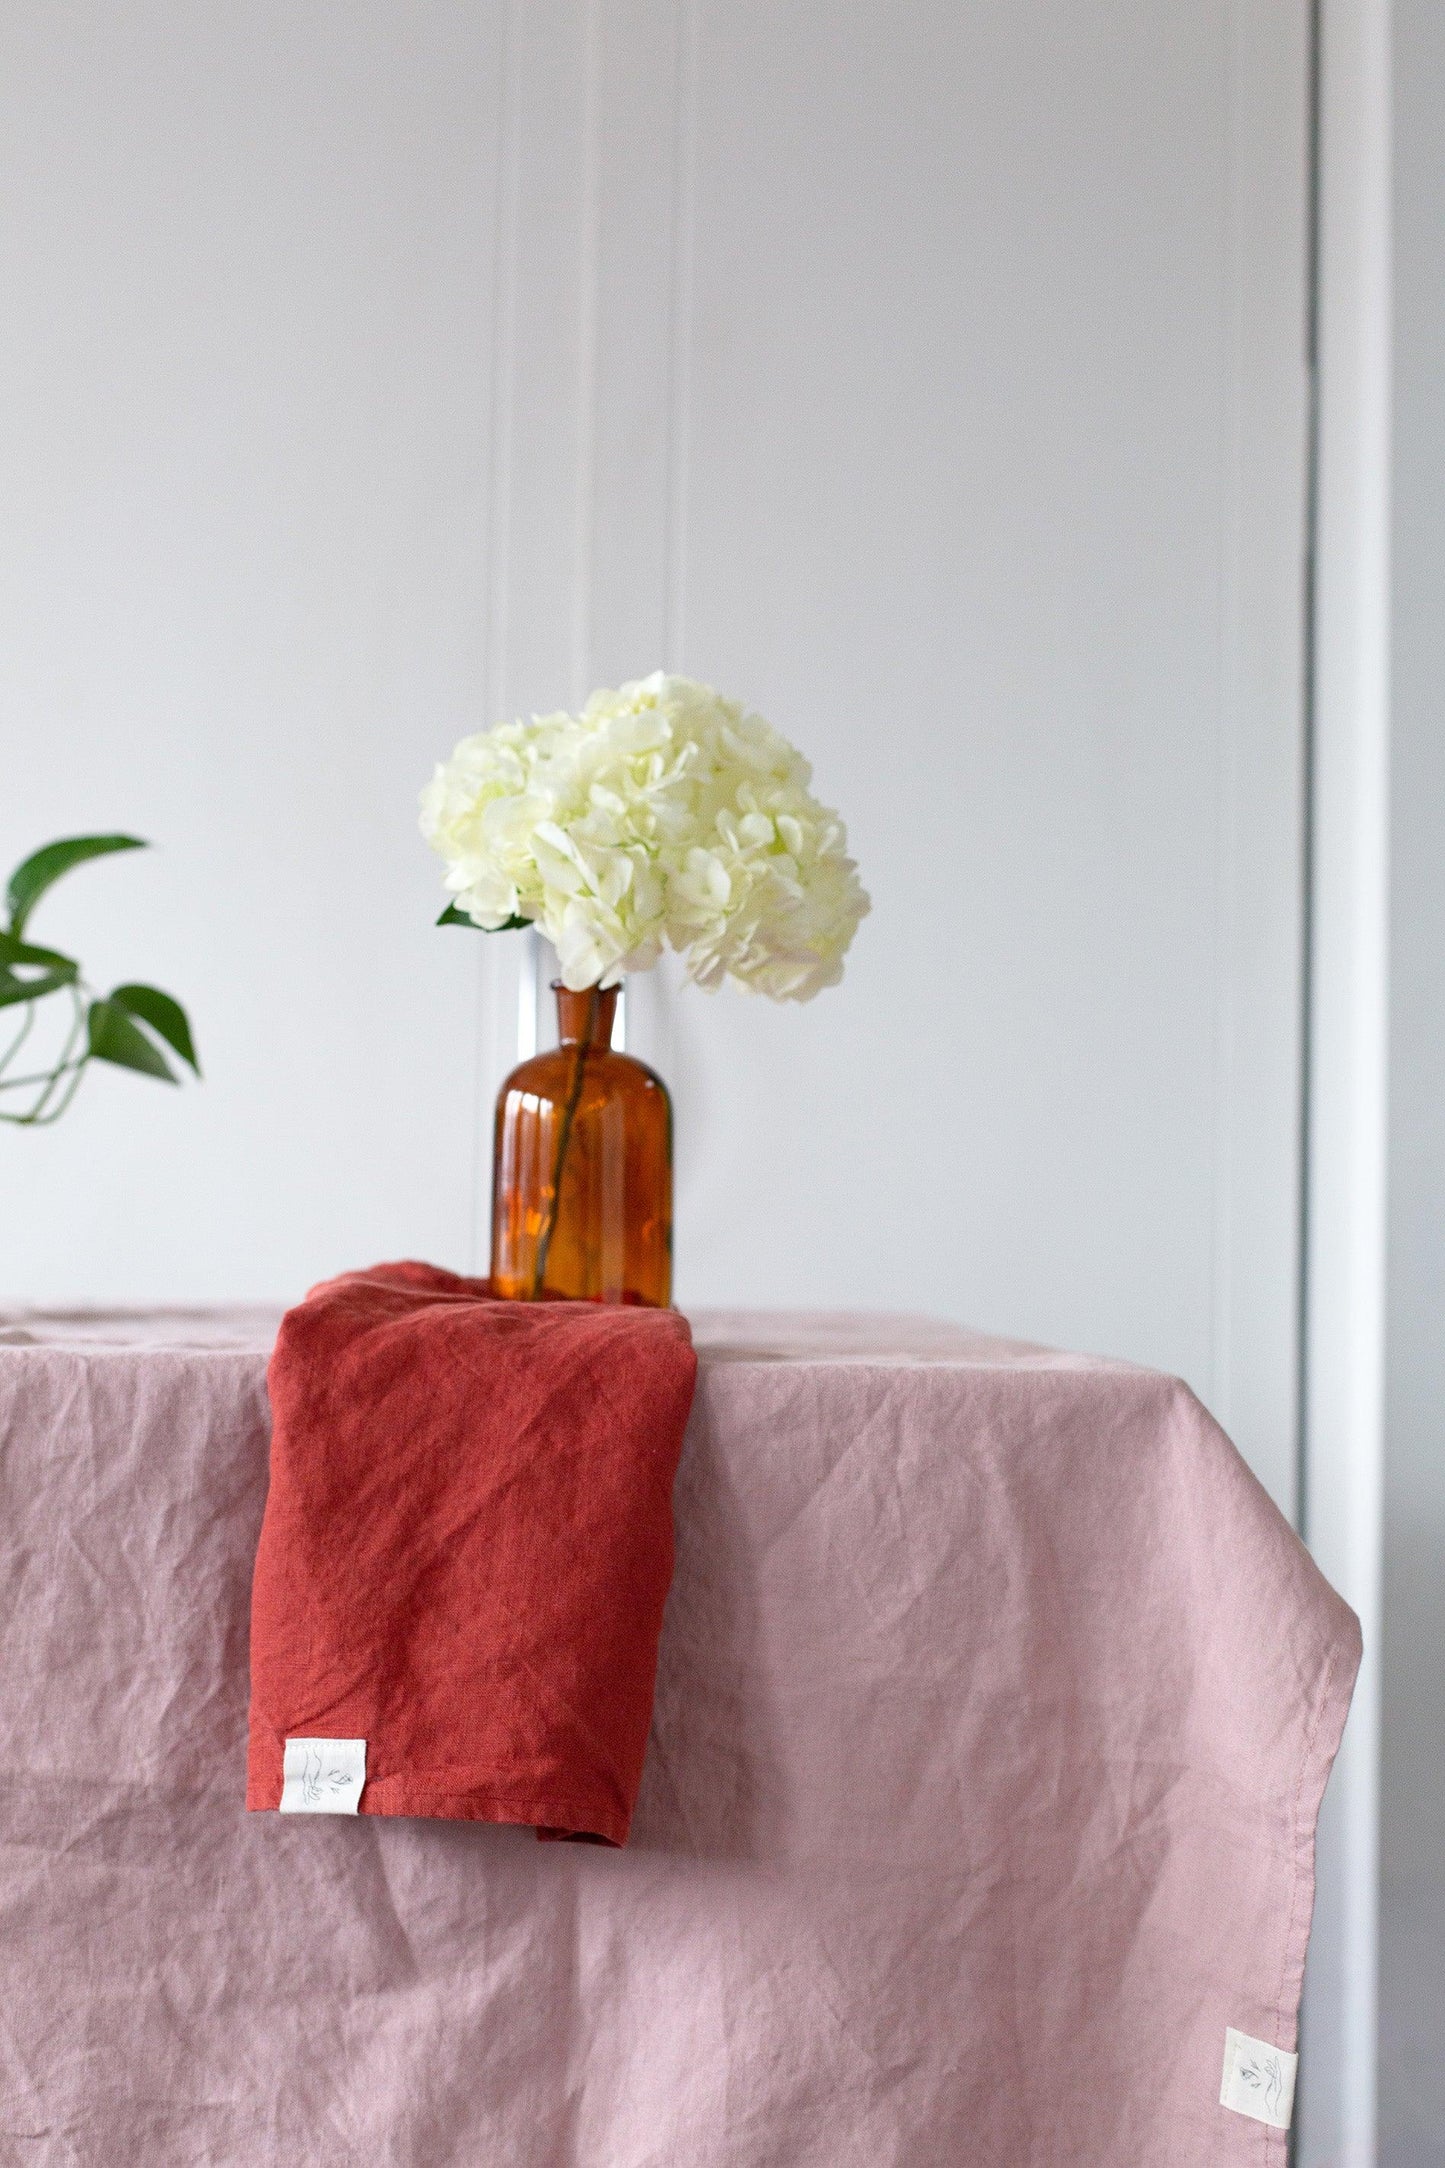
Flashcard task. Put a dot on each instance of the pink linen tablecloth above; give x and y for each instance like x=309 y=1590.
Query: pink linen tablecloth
x=994 y=1709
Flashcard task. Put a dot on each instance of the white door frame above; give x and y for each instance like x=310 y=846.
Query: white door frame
x=1344 y=1307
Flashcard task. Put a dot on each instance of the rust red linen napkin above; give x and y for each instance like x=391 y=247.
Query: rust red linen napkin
x=466 y=1548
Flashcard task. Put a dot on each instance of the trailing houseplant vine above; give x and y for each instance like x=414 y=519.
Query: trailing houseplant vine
x=129 y=1026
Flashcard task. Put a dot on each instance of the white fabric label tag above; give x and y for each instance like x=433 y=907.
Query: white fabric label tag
x=323 y=1776
x=1258 y=2079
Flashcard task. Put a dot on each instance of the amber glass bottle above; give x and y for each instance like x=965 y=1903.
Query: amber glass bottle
x=582 y=1168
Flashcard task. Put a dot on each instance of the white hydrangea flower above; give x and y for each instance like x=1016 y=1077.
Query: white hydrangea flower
x=662 y=815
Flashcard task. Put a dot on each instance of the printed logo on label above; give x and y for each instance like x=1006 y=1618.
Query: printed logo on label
x=323 y=1776
x=1258 y=2079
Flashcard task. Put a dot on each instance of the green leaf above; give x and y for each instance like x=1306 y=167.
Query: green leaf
x=113 y=1037
x=30 y=952
x=13 y=991
x=50 y=971
x=35 y=874
x=451 y=916
x=166 y=1018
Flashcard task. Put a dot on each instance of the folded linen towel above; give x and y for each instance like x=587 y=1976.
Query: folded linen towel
x=466 y=1550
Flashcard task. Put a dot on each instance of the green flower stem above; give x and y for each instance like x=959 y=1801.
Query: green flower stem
x=78 y=1000
x=564 y=1138
x=41 y=1076
x=20 y=1038
x=36 y=1119
x=43 y=1113
x=121 y=1029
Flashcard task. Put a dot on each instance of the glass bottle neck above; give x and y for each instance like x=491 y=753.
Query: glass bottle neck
x=585 y=1018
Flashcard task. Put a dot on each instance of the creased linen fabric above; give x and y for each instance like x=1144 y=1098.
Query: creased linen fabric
x=467 y=1546
x=993 y=1709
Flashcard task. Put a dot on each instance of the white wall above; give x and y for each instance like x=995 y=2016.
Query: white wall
x=245 y=344
x=990 y=488
x=931 y=376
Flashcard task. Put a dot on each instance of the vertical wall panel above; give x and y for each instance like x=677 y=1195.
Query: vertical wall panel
x=247 y=257
x=636 y=297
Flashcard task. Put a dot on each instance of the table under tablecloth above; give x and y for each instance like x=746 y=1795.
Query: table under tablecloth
x=994 y=1708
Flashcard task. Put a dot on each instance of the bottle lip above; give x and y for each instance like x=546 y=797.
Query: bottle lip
x=585 y=1015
